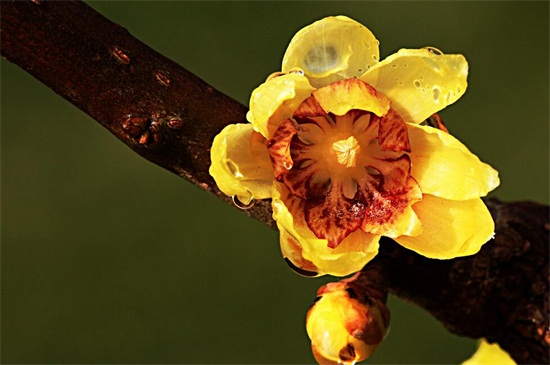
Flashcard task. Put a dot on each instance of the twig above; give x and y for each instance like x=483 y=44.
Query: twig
x=169 y=116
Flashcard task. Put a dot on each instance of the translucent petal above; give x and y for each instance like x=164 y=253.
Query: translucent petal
x=419 y=82
x=444 y=167
x=342 y=96
x=331 y=49
x=240 y=163
x=275 y=100
x=450 y=228
x=350 y=256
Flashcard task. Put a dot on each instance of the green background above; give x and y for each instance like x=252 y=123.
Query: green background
x=107 y=258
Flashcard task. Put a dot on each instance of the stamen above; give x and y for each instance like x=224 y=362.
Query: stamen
x=346 y=151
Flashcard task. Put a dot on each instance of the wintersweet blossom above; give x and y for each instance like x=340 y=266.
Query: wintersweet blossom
x=335 y=140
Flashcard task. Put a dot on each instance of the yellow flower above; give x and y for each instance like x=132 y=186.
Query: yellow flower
x=345 y=327
x=489 y=354
x=335 y=141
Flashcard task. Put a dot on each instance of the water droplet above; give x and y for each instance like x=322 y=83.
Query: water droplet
x=421 y=77
x=234 y=169
x=239 y=204
x=375 y=57
x=416 y=83
x=436 y=92
x=394 y=65
x=287 y=165
x=297 y=71
x=120 y=56
x=423 y=89
x=458 y=89
x=162 y=78
x=401 y=83
x=405 y=65
x=433 y=50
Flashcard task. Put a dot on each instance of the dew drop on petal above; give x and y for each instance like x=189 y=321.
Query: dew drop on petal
x=433 y=50
x=297 y=71
x=287 y=165
x=234 y=169
x=436 y=91
x=394 y=65
x=240 y=204
x=417 y=83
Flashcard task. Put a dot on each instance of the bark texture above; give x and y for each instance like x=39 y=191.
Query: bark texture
x=169 y=116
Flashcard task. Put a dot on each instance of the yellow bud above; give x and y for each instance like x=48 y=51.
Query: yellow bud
x=345 y=326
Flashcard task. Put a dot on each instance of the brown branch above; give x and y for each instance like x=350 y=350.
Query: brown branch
x=169 y=116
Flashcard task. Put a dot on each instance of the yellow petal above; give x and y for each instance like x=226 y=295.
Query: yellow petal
x=450 y=228
x=276 y=100
x=489 y=354
x=240 y=163
x=444 y=167
x=331 y=49
x=342 y=96
x=419 y=82
x=308 y=251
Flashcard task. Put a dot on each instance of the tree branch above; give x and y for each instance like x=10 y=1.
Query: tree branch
x=169 y=116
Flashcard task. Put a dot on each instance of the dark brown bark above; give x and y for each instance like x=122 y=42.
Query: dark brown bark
x=169 y=116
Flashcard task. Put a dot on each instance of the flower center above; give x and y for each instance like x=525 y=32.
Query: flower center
x=349 y=171
x=346 y=151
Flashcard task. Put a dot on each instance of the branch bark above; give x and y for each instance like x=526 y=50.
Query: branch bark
x=169 y=116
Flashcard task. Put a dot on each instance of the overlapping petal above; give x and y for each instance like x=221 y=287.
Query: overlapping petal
x=419 y=82
x=350 y=256
x=240 y=163
x=444 y=167
x=342 y=96
x=276 y=100
x=332 y=49
x=450 y=228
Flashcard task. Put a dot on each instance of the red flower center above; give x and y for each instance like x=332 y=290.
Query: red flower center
x=351 y=171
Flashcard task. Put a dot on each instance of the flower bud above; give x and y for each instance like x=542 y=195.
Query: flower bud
x=345 y=325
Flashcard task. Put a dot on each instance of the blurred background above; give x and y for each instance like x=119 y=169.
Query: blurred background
x=107 y=258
